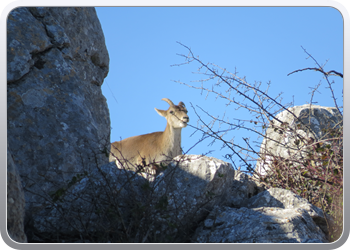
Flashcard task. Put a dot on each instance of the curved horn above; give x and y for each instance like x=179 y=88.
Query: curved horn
x=168 y=101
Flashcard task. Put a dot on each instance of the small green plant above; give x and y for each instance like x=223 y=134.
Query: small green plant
x=59 y=193
x=162 y=203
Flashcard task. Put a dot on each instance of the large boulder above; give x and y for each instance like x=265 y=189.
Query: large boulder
x=273 y=216
x=15 y=203
x=185 y=193
x=309 y=122
x=282 y=198
x=97 y=205
x=242 y=188
x=57 y=118
x=186 y=202
x=58 y=135
x=120 y=205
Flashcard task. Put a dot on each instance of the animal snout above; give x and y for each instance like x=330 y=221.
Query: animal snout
x=186 y=119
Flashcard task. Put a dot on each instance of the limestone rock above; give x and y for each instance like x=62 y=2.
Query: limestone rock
x=96 y=203
x=109 y=199
x=258 y=225
x=15 y=203
x=310 y=121
x=57 y=118
x=282 y=198
x=24 y=43
x=273 y=216
x=186 y=201
x=242 y=188
x=189 y=188
x=58 y=133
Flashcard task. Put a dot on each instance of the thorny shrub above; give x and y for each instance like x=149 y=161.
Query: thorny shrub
x=314 y=167
x=111 y=205
x=316 y=173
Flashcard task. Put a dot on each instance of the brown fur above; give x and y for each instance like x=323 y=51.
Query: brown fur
x=154 y=147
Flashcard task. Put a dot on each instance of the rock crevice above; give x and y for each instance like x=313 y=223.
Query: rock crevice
x=57 y=118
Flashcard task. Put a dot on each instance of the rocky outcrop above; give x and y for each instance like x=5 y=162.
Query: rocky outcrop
x=57 y=118
x=273 y=216
x=258 y=225
x=58 y=135
x=191 y=199
x=96 y=203
x=308 y=122
x=110 y=200
x=190 y=187
x=15 y=203
x=242 y=188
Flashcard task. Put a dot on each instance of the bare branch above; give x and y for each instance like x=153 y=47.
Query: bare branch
x=329 y=73
x=326 y=74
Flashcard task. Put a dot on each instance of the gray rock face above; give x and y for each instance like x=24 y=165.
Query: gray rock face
x=110 y=200
x=258 y=225
x=242 y=188
x=185 y=201
x=98 y=202
x=15 y=203
x=202 y=184
x=281 y=198
x=192 y=185
x=76 y=32
x=311 y=122
x=58 y=128
x=22 y=44
x=273 y=216
x=57 y=118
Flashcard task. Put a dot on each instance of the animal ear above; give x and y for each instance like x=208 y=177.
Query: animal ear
x=161 y=112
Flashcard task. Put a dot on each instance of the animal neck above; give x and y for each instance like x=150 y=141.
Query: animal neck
x=172 y=139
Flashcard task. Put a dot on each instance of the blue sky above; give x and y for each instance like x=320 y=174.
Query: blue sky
x=262 y=44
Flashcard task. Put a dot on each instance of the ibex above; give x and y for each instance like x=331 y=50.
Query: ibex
x=155 y=147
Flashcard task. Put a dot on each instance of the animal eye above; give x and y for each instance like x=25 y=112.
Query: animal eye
x=171 y=112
